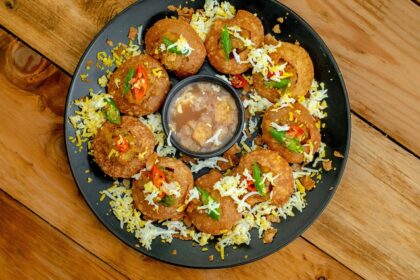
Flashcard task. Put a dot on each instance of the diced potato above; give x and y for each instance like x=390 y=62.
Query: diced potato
x=223 y=114
x=201 y=133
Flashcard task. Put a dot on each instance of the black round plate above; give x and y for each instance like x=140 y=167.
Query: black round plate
x=336 y=134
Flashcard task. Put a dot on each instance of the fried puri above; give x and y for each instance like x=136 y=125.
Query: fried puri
x=229 y=216
x=156 y=90
x=298 y=115
x=250 y=28
x=121 y=150
x=299 y=64
x=175 y=171
x=269 y=161
x=172 y=29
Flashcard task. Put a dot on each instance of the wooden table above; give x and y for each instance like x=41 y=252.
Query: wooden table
x=369 y=230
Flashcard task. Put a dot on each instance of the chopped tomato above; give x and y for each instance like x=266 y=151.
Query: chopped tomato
x=295 y=131
x=250 y=186
x=271 y=74
x=139 y=83
x=158 y=177
x=238 y=81
x=139 y=93
x=121 y=144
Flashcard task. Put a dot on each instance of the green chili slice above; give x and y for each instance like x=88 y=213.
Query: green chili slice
x=257 y=175
x=112 y=114
x=278 y=85
x=167 y=42
x=226 y=43
x=167 y=200
x=215 y=215
x=128 y=78
x=206 y=198
x=292 y=144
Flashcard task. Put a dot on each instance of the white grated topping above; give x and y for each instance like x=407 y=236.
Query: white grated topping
x=316 y=103
x=238 y=58
x=279 y=127
x=215 y=138
x=154 y=122
x=256 y=103
x=202 y=20
x=207 y=163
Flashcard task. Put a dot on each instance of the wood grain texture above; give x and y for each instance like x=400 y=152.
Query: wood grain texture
x=356 y=228
x=32 y=249
x=60 y=30
x=376 y=44
x=37 y=152
x=372 y=224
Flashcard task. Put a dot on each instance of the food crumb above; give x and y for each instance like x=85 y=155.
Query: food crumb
x=307 y=182
x=89 y=180
x=204 y=249
x=276 y=29
x=246 y=257
x=137 y=245
x=235 y=247
x=87 y=171
x=327 y=165
x=83 y=77
x=102 y=81
x=110 y=43
x=88 y=64
x=174 y=252
x=297 y=43
x=126 y=183
x=193 y=244
x=273 y=219
x=338 y=154
x=280 y=20
x=211 y=258
x=269 y=235
x=132 y=33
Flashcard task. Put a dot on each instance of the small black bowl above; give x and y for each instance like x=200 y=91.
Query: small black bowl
x=177 y=89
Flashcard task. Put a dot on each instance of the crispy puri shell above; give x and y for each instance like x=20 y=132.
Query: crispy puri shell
x=215 y=53
x=181 y=174
x=270 y=161
x=281 y=116
x=145 y=140
x=228 y=213
x=182 y=66
x=302 y=69
x=155 y=94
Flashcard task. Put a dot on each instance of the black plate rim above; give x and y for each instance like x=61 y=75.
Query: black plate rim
x=315 y=215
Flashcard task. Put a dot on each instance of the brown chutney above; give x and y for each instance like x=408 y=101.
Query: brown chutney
x=203 y=117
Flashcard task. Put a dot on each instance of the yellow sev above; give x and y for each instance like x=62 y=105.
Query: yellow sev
x=88 y=118
x=221 y=250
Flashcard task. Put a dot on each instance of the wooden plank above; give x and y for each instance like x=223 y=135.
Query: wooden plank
x=376 y=43
x=377 y=46
x=371 y=225
x=54 y=197
x=67 y=26
x=32 y=249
